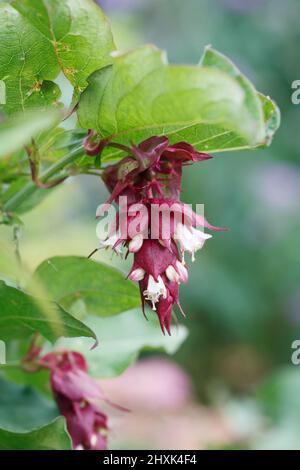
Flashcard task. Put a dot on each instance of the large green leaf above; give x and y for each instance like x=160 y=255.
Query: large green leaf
x=122 y=338
x=103 y=289
x=271 y=113
x=78 y=30
x=53 y=436
x=17 y=131
x=21 y=315
x=40 y=38
x=141 y=95
x=23 y=409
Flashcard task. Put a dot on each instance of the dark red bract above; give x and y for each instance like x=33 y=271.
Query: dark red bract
x=149 y=176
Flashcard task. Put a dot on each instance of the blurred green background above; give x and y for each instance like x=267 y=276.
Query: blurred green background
x=243 y=296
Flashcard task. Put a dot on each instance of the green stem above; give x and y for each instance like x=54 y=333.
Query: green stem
x=30 y=188
x=11 y=365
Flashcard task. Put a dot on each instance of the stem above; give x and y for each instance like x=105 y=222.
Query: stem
x=12 y=365
x=16 y=239
x=93 y=252
x=92 y=173
x=30 y=188
x=39 y=184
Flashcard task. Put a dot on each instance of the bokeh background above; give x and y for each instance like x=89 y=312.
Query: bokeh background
x=232 y=384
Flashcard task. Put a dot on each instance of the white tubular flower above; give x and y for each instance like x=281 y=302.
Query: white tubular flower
x=137 y=275
x=182 y=271
x=136 y=243
x=172 y=274
x=155 y=290
x=190 y=239
x=111 y=241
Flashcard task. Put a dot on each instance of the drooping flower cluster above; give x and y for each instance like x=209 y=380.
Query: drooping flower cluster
x=154 y=224
x=79 y=399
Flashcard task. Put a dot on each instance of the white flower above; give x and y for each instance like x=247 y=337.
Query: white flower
x=111 y=241
x=155 y=290
x=137 y=274
x=190 y=239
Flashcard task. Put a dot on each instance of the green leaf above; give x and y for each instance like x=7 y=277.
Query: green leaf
x=17 y=131
x=53 y=436
x=140 y=95
x=78 y=31
x=271 y=112
x=103 y=289
x=21 y=315
x=27 y=63
x=40 y=38
x=122 y=338
x=271 y=116
x=23 y=409
x=40 y=380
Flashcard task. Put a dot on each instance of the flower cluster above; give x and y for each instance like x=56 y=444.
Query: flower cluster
x=155 y=225
x=79 y=398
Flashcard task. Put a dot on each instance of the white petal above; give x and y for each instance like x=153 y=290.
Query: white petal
x=155 y=290
x=111 y=241
x=184 y=235
x=190 y=239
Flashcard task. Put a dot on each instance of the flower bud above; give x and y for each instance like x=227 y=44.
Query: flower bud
x=172 y=274
x=182 y=271
x=136 y=243
x=137 y=275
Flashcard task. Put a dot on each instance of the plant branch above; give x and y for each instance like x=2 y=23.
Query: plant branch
x=34 y=159
x=30 y=188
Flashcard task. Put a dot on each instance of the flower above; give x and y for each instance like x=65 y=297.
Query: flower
x=158 y=228
x=190 y=239
x=79 y=398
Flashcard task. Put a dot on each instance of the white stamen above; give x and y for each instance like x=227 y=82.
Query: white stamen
x=172 y=274
x=137 y=275
x=155 y=290
x=136 y=243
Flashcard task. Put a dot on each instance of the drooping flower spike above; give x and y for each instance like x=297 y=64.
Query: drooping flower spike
x=79 y=398
x=150 y=178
